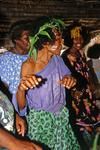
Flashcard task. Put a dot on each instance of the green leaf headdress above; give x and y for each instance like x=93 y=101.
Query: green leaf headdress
x=54 y=23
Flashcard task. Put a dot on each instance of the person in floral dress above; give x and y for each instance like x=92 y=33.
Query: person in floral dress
x=82 y=103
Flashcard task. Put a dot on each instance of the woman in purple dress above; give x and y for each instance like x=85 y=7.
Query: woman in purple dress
x=48 y=118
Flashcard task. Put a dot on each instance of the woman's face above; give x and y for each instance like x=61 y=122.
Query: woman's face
x=78 y=43
x=56 y=46
x=23 y=43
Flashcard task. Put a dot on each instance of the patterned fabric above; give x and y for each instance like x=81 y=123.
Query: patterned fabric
x=10 y=66
x=53 y=130
x=88 y=103
x=83 y=106
x=6 y=113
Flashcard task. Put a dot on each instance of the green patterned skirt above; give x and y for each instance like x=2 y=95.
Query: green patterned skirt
x=52 y=130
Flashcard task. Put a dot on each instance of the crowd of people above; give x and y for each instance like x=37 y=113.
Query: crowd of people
x=47 y=99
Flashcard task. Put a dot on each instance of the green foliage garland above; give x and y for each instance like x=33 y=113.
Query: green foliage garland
x=55 y=23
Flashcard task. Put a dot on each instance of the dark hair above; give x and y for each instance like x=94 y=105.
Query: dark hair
x=18 y=27
x=47 y=24
x=68 y=41
x=42 y=38
x=94 y=51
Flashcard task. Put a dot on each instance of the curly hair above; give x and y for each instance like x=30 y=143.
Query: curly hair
x=94 y=51
x=18 y=27
x=84 y=32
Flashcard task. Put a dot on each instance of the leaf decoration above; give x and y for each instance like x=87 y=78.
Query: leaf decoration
x=96 y=141
x=45 y=33
x=55 y=23
x=44 y=27
x=32 y=50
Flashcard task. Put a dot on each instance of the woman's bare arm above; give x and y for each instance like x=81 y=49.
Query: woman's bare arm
x=8 y=141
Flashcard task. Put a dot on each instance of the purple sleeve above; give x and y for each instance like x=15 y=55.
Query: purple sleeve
x=22 y=112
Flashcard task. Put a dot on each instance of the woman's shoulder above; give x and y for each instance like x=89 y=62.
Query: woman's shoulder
x=27 y=67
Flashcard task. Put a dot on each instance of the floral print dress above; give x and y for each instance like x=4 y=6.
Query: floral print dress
x=86 y=106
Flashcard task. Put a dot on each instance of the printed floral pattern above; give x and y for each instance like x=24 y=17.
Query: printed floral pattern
x=10 y=66
x=6 y=113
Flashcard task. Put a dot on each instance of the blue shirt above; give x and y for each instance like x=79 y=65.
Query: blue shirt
x=10 y=66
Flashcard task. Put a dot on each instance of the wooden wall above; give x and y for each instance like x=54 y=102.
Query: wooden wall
x=87 y=11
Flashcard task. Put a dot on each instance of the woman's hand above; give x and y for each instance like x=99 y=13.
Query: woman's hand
x=29 y=81
x=68 y=81
x=20 y=125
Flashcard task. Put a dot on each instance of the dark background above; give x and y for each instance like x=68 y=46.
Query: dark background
x=87 y=11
